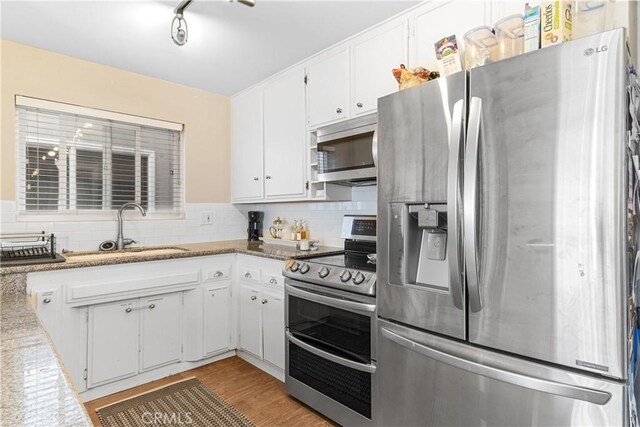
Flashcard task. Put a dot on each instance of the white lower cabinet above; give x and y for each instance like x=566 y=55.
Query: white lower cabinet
x=113 y=342
x=250 y=320
x=160 y=331
x=133 y=336
x=273 y=328
x=217 y=332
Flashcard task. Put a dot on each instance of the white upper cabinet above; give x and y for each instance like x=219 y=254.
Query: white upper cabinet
x=436 y=20
x=284 y=135
x=373 y=56
x=247 y=144
x=328 y=87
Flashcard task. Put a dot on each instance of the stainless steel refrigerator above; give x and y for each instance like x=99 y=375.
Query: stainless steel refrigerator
x=506 y=247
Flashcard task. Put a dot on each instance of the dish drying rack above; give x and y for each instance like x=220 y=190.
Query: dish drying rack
x=28 y=248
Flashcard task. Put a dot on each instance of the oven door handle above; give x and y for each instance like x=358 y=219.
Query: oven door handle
x=334 y=302
x=331 y=357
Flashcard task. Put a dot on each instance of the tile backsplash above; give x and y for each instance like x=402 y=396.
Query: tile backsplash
x=323 y=219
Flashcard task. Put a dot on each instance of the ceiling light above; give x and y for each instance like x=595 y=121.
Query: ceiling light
x=179 y=31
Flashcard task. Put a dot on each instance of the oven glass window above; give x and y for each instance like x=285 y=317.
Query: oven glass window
x=350 y=387
x=353 y=152
x=340 y=332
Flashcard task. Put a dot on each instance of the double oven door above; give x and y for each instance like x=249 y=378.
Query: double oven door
x=331 y=350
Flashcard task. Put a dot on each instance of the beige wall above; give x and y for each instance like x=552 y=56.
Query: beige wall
x=41 y=74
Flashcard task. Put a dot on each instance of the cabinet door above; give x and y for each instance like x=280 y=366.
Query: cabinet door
x=284 y=136
x=328 y=88
x=273 y=328
x=250 y=321
x=216 y=320
x=113 y=342
x=246 y=145
x=161 y=331
x=437 y=20
x=374 y=55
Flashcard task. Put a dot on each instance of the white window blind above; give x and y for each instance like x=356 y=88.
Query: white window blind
x=72 y=163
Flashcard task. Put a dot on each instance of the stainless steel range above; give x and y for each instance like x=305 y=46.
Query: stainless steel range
x=331 y=326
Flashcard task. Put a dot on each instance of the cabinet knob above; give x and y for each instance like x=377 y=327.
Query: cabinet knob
x=255 y=178
x=128 y=310
x=267 y=177
x=253 y=297
x=339 y=110
x=359 y=105
x=247 y=275
x=264 y=301
x=152 y=306
x=218 y=274
x=46 y=300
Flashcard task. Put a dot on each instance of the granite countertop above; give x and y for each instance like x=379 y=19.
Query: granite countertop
x=80 y=259
x=35 y=389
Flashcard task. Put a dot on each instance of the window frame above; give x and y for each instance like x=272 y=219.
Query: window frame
x=71 y=214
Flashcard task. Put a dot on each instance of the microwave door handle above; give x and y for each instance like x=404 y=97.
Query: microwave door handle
x=331 y=357
x=374 y=147
x=470 y=202
x=456 y=139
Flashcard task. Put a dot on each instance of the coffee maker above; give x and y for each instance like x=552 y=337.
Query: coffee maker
x=255 y=225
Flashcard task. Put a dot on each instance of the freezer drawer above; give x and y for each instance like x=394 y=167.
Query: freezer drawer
x=429 y=380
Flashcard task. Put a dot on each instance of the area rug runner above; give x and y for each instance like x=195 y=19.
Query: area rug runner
x=183 y=403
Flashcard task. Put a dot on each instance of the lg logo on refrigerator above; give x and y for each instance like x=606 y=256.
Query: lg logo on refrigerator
x=591 y=51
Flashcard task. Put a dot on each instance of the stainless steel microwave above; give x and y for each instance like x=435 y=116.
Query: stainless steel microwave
x=347 y=150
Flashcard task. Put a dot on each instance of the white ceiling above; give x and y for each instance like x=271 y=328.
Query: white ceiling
x=230 y=46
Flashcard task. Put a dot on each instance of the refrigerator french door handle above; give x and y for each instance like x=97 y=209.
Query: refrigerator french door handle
x=374 y=147
x=518 y=379
x=470 y=202
x=456 y=139
x=332 y=357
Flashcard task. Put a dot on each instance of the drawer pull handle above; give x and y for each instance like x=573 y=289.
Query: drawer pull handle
x=273 y=281
x=247 y=275
x=46 y=300
x=264 y=301
x=128 y=310
x=253 y=297
x=152 y=306
x=218 y=274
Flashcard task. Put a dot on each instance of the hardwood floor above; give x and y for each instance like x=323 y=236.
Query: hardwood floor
x=256 y=394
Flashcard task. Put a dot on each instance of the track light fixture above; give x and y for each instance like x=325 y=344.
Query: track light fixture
x=179 y=31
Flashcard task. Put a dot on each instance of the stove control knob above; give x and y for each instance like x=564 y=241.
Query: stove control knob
x=304 y=268
x=345 y=276
x=295 y=267
x=358 y=278
x=324 y=272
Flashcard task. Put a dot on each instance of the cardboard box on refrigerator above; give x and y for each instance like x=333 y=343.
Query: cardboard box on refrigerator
x=555 y=25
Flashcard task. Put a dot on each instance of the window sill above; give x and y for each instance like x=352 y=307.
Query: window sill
x=95 y=217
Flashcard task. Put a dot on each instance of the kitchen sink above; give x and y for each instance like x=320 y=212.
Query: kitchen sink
x=126 y=253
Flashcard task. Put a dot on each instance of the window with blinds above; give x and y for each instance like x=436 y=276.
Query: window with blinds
x=73 y=159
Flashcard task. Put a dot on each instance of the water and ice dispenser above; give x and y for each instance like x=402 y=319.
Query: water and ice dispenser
x=418 y=244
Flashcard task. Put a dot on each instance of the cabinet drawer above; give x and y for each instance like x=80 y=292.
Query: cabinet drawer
x=249 y=274
x=274 y=280
x=217 y=273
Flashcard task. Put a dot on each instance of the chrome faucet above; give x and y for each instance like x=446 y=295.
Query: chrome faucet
x=121 y=242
